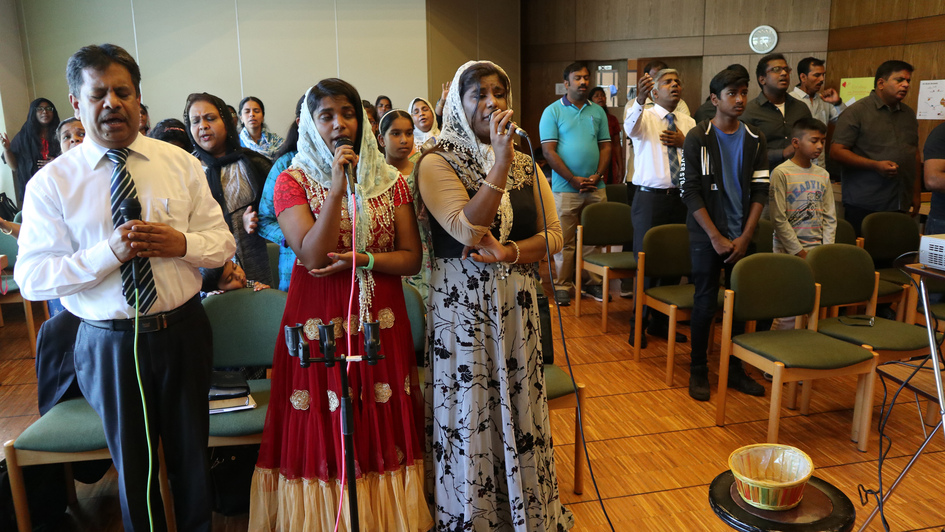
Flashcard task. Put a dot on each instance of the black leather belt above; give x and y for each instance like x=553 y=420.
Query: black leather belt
x=149 y=324
x=666 y=191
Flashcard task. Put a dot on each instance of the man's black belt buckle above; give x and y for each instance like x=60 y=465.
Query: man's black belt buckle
x=666 y=191
x=148 y=324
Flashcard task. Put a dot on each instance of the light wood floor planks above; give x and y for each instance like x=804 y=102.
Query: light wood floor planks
x=654 y=450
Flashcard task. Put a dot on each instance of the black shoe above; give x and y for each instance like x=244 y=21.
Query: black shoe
x=642 y=336
x=699 y=383
x=596 y=291
x=663 y=332
x=626 y=288
x=562 y=297
x=739 y=380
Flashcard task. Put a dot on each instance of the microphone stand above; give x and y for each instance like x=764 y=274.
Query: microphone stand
x=299 y=347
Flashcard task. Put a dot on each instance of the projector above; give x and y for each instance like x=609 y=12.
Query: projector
x=932 y=251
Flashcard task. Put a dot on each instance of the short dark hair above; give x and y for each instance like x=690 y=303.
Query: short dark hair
x=252 y=99
x=173 y=131
x=808 y=123
x=144 y=110
x=334 y=87
x=99 y=57
x=739 y=68
x=762 y=69
x=804 y=65
x=210 y=279
x=889 y=68
x=370 y=109
x=232 y=138
x=574 y=67
x=594 y=91
x=656 y=64
x=727 y=78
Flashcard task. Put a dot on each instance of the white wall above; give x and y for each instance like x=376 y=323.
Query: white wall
x=273 y=50
x=14 y=96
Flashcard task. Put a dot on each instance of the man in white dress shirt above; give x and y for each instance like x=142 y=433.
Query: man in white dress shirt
x=824 y=105
x=75 y=245
x=658 y=133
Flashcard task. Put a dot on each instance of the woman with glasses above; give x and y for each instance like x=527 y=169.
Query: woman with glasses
x=34 y=146
x=236 y=176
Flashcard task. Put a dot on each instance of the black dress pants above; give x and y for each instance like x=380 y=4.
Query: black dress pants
x=651 y=209
x=175 y=365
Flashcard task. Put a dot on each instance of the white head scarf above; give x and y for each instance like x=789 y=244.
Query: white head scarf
x=419 y=137
x=457 y=136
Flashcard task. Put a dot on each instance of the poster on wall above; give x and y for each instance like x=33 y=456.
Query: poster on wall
x=931 y=100
x=853 y=89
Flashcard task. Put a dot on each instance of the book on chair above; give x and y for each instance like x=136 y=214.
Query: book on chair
x=228 y=385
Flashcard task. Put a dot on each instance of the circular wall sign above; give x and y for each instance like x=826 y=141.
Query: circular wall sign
x=763 y=39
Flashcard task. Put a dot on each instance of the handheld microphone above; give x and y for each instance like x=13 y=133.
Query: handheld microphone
x=130 y=209
x=352 y=179
x=511 y=126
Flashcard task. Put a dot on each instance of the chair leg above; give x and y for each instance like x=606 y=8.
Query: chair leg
x=605 y=292
x=723 y=382
x=932 y=411
x=21 y=506
x=71 y=498
x=637 y=327
x=30 y=326
x=579 y=444
x=790 y=398
x=45 y=310
x=774 y=413
x=166 y=494
x=1 y=316
x=671 y=346
x=806 y=388
x=864 y=418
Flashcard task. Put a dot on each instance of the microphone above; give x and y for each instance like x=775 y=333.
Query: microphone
x=130 y=209
x=352 y=179
x=511 y=126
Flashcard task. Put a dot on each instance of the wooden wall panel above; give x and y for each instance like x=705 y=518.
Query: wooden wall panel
x=726 y=17
x=847 y=13
x=926 y=8
x=674 y=47
x=791 y=41
x=929 y=63
x=548 y=22
x=538 y=91
x=614 y=20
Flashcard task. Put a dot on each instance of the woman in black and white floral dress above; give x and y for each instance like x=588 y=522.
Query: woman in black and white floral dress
x=490 y=464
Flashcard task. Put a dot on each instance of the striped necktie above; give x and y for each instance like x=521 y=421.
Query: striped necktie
x=673 y=153
x=122 y=188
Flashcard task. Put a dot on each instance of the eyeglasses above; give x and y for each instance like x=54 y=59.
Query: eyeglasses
x=779 y=69
x=46 y=108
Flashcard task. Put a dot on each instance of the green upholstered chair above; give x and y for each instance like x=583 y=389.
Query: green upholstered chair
x=617 y=193
x=773 y=285
x=70 y=432
x=18 y=218
x=417 y=314
x=246 y=326
x=604 y=224
x=8 y=247
x=845 y=233
x=764 y=236
x=886 y=236
x=665 y=254
x=273 y=251
x=846 y=276
x=564 y=393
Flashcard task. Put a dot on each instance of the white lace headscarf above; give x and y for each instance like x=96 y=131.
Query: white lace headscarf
x=419 y=137
x=457 y=135
x=374 y=176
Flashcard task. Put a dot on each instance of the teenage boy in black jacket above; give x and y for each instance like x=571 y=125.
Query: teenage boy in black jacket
x=724 y=182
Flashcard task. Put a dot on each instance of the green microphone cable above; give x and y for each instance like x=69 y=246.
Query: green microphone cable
x=144 y=408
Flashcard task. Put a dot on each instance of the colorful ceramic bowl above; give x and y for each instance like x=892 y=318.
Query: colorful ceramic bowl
x=771 y=476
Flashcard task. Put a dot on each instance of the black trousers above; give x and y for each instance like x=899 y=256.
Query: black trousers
x=707 y=267
x=175 y=376
x=652 y=209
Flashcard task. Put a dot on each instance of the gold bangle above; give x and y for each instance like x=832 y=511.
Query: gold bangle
x=518 y=252
x=493 y=187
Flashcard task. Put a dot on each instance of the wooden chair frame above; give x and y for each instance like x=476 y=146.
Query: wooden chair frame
x=866 y=371
x=604 y=271
x=567 y=402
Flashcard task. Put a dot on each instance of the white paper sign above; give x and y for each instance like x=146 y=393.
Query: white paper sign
x=931 y=100
x=559 y=89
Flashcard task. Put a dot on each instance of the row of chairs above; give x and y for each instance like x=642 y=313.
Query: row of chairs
x=245 y=329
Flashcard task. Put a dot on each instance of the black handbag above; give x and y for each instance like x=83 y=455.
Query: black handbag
x=8 y=209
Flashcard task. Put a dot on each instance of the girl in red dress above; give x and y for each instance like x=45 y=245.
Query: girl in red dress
x=297 y=483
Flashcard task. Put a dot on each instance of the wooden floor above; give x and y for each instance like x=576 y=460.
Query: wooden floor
x=654 y=450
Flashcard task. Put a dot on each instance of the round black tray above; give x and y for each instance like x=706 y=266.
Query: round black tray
x=824 y=508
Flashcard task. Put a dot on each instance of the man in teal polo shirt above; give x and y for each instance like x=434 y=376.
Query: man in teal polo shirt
x=576 y=143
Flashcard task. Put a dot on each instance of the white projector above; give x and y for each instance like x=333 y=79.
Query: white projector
x=932 y=251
